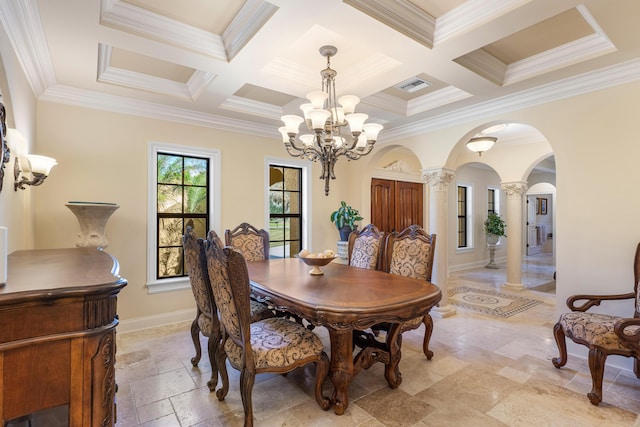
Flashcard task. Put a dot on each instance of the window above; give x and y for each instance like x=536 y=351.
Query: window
x=285 y=210
x=182 y=192
x=492 y=201
x=464 y=216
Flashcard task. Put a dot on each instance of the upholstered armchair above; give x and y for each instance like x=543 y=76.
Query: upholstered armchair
x=253 y=243
x=364 y=248
x=206 y=320
x=603 y=334
x=275 y=345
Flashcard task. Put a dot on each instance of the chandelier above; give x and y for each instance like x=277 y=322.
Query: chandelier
x=326 y=118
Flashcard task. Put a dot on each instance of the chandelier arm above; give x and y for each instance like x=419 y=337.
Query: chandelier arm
x=293 y=150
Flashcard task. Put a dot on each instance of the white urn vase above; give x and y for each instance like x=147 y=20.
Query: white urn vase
x=492 y=241
x=93 y=217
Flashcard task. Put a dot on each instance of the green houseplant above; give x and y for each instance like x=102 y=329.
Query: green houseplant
x=345 y=219
x=495 y=227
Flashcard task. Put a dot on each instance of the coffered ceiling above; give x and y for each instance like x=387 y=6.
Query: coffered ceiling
x=241 y=64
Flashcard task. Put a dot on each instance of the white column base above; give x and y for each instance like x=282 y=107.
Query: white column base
x=443 y=311
x=514 y=287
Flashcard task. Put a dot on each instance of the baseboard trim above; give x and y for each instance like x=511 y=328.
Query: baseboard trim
x=146 y=322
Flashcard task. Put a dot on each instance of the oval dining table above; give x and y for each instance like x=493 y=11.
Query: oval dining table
x=345 y=299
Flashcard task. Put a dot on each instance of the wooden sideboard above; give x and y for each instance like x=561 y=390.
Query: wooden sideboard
x=57 y=336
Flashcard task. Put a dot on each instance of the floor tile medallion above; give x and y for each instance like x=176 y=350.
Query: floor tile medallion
x=489 y=302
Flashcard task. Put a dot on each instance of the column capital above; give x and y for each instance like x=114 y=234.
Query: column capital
x=439 y=178
x=514 y=190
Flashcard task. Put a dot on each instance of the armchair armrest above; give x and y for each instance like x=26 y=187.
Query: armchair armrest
x=630 y=336
x=592 y=300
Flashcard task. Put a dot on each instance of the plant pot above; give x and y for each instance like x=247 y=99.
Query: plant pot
x=492 y=241
x=344 y=232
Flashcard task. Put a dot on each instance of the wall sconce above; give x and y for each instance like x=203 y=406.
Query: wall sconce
x=39 y=166
x=480 y=144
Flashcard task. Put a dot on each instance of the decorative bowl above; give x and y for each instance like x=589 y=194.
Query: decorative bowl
x=316 y=263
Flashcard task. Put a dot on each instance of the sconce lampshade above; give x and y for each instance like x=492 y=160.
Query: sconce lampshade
x=480 y=144
x=41 y=164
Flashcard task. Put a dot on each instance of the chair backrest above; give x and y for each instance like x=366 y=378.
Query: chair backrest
x=196 y=265
x=253 y=243
x=365 y=247
x=410 y=253
x=230 y=283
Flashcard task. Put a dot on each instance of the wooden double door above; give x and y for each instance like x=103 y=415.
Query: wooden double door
x=395 y=205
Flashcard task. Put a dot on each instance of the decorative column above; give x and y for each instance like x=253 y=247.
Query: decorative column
x=93 y=217
x=439 y=180
x=514 y=191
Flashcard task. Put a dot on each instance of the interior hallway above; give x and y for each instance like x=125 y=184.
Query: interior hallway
x=486 y=371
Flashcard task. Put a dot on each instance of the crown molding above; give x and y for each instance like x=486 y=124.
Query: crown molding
x=402 y=16
x=247 y=22
x=584 y=83
x=190 y=91
x=21 y=21
x=99 y=101
x=438 y=98
x=136 y=20
x=471 y=14
x=249 y=106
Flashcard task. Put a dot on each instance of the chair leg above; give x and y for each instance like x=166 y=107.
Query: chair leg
x=428 y=330
x=213 y=348
x=561 y=342
x=247 y=378
x=322 y=369
x=597 y=358
x=636 y=367
x=195 y=336
x=221 y=364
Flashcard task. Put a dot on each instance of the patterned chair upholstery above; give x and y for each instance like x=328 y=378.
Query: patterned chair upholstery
x=274 y=345
x=410 y=253
x=603 y=334
x=206 y=320
x=253 y=243
x=365 y=248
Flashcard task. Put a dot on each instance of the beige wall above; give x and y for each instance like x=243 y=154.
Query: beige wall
x=102 y=157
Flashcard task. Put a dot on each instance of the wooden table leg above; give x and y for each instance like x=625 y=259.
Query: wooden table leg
x=394 y=345
x=341 y=368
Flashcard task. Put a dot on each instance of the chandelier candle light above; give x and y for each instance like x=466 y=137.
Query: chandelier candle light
x=327 y=117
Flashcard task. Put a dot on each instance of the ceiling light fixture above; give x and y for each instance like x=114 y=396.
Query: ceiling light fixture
x=480 y=144
x=326 y=117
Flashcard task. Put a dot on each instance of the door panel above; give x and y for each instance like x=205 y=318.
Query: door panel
x=408 y=204
x=382 y=204
x=395 y=205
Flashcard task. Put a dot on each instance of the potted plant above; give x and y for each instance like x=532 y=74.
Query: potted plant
x=345 y=220
x=494 y=227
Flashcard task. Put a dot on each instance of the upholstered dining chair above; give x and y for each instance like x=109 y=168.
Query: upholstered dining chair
x=253 y=243
x=410 y=253
x=603 y=334
x=206 y=320
x=365 y=248
x=275 y=345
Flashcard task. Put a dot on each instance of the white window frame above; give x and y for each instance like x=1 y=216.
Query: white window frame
x=470 y=228
x=155 y=285
x=305 y=165
x=496 y=193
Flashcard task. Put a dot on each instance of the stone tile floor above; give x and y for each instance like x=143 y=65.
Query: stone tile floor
x=486 y=371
